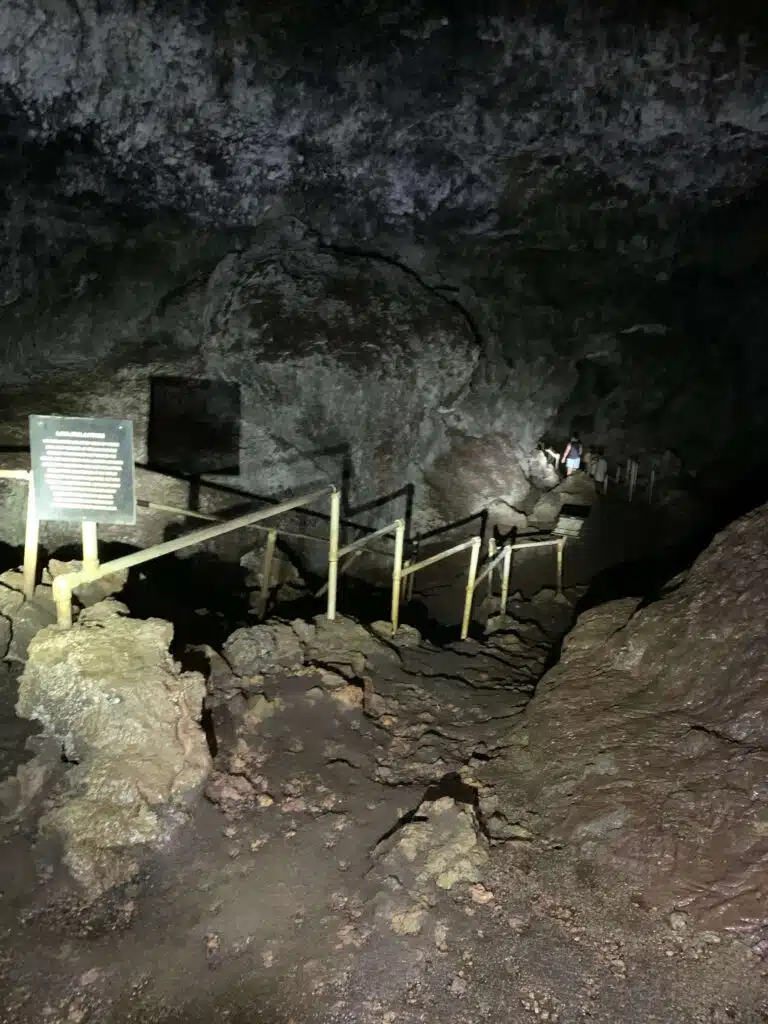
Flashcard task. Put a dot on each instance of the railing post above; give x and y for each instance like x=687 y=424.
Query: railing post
x=560 y=549
x=266 y=571
x=491 y=556
x=410 y=579
x=470 y=591
x=507 y=564
x=62 y=596
x=90 y=546
x=31 y=540
x=404 y=595
x=397 y=575
x=333 y=553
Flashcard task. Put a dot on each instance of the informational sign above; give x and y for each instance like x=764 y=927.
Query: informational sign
x=83 y=469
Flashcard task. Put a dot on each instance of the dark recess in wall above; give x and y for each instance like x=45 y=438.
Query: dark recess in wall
x=194 y=426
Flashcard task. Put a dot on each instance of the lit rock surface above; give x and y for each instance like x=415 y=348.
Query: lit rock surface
x=111 y=694
x=646 y=747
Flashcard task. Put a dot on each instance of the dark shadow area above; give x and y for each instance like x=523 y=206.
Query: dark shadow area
x=478 y=518
x=451 y=786
x=194 y=426
x=406 y=493
x=203 y=595
x=417 y=613
x=649 y=575
x=10 y=557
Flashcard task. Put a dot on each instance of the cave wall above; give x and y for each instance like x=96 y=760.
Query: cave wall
x=418 y=238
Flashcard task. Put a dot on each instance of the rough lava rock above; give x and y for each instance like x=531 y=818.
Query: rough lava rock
x=555 y=206
x=128 y=718
x=344 y=366
x=441 y=845
x=646 y=747
x=25 y=618
x=238 y=112
x=266 y=648
x=87 y=594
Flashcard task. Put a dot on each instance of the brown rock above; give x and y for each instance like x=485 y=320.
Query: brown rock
x=648 y=743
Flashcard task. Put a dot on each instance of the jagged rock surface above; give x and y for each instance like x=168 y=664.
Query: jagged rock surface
x=646 y=747
x=25 y=618
x=427 y=711
x=109 y=691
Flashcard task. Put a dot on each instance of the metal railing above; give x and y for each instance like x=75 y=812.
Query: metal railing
x=269 y=547
x=401 y=571
x=626 y=472
x=505 y=557
x=494 y=557
x=64 y=585
x=340 y=558
x=359 y=547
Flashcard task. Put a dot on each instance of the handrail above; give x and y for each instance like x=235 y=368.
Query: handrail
x=505 y=556
x=558 y=542
x=356 y=548
x=193 y=514
x=205 y=482
x=64 y=585
x=91 y=570
x=400 y=572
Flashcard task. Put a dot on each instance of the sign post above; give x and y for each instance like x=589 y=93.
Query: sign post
x=31 y=540
x=82 y=471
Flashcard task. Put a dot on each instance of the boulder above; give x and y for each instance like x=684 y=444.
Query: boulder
x=646 y=748
x=11 y=601
x=26 y=618
x=270 y=647
x=441 y=845
x=547 y=509
x=128 y=719
x=87 y=593
x=475 y=472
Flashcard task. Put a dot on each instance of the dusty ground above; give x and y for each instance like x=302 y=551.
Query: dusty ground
x=288 y=907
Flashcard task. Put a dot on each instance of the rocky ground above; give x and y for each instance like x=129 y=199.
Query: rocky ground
x=327 y=877
x=398 y=832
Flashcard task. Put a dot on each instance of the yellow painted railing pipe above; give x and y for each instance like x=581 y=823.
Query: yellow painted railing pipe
x=266 y=571
x=90 y=546
x=31 y=540
x=333 y=555
x=356 y=548
x=400 y=572
x=469 y=593
x=505 y=574
x=64 y=585
x=397 y=574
